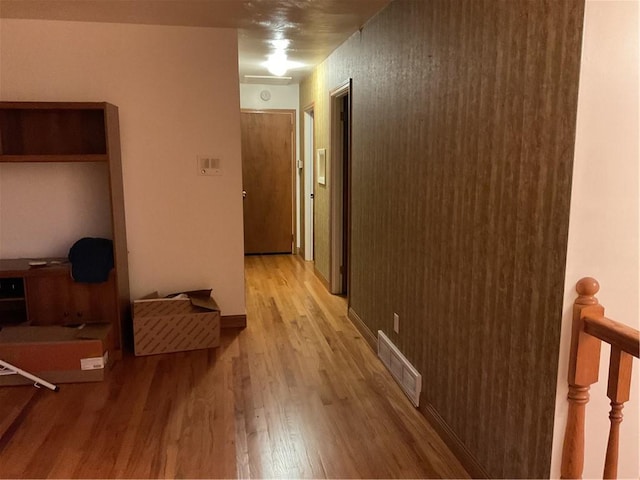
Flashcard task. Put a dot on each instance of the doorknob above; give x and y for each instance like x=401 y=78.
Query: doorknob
x=244 y=194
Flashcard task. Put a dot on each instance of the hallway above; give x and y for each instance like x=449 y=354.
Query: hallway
x=297 y=394
x=332 y=410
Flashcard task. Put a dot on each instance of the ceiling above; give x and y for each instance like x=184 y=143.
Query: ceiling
x=314 y=28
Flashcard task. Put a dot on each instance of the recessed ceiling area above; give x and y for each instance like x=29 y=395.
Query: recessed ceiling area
x=305 y=31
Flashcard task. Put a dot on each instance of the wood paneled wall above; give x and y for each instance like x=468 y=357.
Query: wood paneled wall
x=463 y=135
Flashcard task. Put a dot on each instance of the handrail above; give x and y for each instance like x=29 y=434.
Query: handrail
x=614 y=333
x=589 y=329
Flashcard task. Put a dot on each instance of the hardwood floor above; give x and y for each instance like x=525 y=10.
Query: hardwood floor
x=297 y=394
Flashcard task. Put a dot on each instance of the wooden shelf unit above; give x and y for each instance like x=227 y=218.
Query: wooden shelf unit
x=48 y=132
x=49 y=296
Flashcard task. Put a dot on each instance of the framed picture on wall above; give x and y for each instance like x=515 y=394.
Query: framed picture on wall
x=321 y=160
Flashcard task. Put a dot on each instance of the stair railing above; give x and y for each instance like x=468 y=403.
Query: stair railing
x=589 y=329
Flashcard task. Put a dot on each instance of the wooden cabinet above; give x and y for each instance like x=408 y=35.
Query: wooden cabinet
x=69 y=132
x=55 y=299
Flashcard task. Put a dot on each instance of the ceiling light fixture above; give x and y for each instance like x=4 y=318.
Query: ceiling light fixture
x=277 y=63
x=280 y=44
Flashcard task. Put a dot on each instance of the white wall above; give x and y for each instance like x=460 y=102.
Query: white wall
x=285 y=97
x=51 y=205
x=178 y=96
x=604 y=222
x=282 y=96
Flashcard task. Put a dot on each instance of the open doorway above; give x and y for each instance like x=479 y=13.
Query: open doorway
x=309 y=148
x=340 y=187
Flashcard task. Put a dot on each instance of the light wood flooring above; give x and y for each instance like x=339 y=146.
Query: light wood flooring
x=297 y=394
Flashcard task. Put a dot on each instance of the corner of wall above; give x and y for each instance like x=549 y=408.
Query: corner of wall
x=1 y=98
x=1 y=23
x=604 y=217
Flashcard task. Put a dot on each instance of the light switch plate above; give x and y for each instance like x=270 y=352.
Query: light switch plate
x=209 y=166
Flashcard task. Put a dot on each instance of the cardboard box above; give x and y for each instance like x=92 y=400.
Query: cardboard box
x=164 y=325
x=57 y=354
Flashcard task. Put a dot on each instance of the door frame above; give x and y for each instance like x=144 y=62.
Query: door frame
x=336 y=188
x=292 y=113
x=308 y=210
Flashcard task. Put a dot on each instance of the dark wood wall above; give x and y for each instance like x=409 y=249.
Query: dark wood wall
x=463 y=135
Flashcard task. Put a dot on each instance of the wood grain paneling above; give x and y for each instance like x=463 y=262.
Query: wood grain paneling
x=462 y=148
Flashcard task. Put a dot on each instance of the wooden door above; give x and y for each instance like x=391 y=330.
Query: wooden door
x=267 y=178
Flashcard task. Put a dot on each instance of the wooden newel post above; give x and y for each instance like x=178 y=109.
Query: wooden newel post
x=584 y=362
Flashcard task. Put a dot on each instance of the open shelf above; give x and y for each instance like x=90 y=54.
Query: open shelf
x=13 y=306
x=48 y=133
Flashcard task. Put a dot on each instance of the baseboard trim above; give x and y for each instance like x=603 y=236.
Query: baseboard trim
x=320 y=277
x=233 y=321
x=366 y=333
x=452 y=441
x=449 y=437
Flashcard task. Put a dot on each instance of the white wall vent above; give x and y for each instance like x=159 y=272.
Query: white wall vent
x=405 y=374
